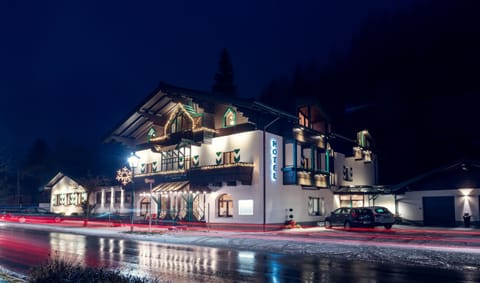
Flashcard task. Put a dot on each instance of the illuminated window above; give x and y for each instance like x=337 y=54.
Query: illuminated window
x=303 y=119
x=245 y=207
x=351 y=200
x=151 y=133
x=229 y=119
x=179 y=122
x=174 y=160
x=225 y=206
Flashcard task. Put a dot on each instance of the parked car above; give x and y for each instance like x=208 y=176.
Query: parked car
x=29 y=214
x=382 y=216
x=360 y=217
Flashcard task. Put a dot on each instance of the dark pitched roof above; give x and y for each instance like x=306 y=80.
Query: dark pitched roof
x=165 y=98
x=59 y=176
x=458 y=174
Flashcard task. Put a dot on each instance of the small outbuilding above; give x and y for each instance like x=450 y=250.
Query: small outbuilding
x=66 y=195
x=441 y=197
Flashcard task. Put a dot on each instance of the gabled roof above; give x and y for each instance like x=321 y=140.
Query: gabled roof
x=59 y=176
x=458 y=174
x=54 y=180
x=164 y=99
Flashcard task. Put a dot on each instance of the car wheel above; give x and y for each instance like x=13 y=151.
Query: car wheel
x=388 y=226
x=347 y=225
x=328 y=224
x=22 y=220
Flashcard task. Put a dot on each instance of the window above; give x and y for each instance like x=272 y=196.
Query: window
x=229 y=157
x=128 y=197
x=229 y=119
x=62 y=199
x=180 y=122
x=98 y=198
x=118 y=196
x=316 y=206
x=151 y=133
x=303 y=119
x=347 y=173
x=56 y=200
x=245 y=207
x=351 y=200
x=225 y=206
x=75 y=199
x=108 y=197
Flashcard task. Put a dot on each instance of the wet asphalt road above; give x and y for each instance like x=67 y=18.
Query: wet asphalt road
x=21 y=248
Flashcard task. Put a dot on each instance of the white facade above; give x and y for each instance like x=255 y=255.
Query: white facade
x=279 y=198
x=110 y=199
x=225 y=160
x=67 y=197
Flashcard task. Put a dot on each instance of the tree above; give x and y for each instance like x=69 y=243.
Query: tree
x=38 y=167
x=90 y=183
x=411 y=79
x=5 y=184
x=224 y=77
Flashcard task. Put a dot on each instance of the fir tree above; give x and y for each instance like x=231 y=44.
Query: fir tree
x=224 y=77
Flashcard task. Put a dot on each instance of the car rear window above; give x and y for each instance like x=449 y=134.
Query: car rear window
x=381 y=210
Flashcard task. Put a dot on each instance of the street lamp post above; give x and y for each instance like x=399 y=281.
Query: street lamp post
x=133 y=162
x=150 y=181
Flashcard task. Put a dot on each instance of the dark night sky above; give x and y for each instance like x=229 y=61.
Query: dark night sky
x=73 y=69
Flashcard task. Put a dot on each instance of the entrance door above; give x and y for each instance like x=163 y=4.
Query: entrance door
x=144 y=207
x=439 y=211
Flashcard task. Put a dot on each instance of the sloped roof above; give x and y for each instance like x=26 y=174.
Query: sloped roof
x=458 y=174
x=59 y=176
x=164 y=99
x=54 y=180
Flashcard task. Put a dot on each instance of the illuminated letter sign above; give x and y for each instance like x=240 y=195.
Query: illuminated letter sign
x=274 y=154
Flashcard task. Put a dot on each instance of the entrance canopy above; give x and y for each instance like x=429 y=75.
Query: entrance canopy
x=367 y=190
x=170 y=187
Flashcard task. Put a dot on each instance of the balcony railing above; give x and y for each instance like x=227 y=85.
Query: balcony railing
x=305 y=177
x=204 y=175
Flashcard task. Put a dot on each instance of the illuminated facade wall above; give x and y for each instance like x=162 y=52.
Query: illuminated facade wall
x=360 y=173
x=66 y=197
x=247 y=200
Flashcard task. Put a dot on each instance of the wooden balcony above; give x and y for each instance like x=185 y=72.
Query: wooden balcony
x=305 y=177
x=212 y=174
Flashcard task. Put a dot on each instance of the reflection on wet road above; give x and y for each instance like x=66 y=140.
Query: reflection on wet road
x=23 y=248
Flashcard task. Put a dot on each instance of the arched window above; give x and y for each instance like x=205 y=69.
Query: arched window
x=225 y=206
x=230 y=118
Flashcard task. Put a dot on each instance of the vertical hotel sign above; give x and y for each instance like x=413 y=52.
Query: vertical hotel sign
x=274 y=158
